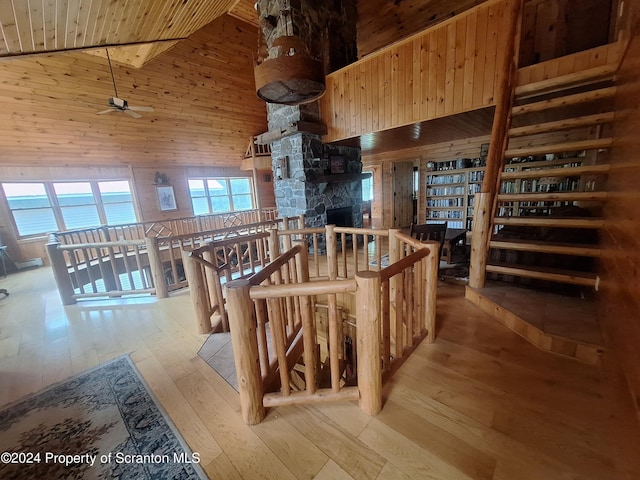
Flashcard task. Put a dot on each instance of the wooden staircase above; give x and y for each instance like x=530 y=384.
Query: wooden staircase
x=546 y=215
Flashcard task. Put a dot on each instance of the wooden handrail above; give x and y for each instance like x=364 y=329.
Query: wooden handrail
x=220 y=231
x=274 y=266
x=259 y=292
x=406 y=262
x=121 y=243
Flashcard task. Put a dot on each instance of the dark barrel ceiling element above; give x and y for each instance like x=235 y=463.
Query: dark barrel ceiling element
x=289 y=67
x=292 y=77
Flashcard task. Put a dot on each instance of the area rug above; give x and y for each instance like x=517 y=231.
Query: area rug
x=103 y=423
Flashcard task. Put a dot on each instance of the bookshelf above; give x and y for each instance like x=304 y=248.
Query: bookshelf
x=450 y=194
x=554 y=176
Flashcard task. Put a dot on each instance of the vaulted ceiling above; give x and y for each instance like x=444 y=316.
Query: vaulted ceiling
x=202 y=88
x=138 y=30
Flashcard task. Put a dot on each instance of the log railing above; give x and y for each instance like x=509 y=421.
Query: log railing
x=169 y=250
x=100 y=269
x=166 y=228
x=209 y=266
x=283 y=356
x=346 y=249
x=86 y=265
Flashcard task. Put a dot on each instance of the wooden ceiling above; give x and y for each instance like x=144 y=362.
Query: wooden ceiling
x=30 y=27
x=475 y=123
x=202 y=91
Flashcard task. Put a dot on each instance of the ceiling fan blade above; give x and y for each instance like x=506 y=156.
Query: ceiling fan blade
x=132 y=113
x=106 y=111
x=140 y=109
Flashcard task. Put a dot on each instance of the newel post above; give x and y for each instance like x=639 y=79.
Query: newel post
x=243 y=325
x=369 y=364
x=431 y=263
x=274 y=244
x=332 y=251
x=395 y=287
x=155 y=263
x=481 y=232
x=197 y=292
x=60 y=271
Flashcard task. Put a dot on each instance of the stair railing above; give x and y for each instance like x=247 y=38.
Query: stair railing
x=273 y=325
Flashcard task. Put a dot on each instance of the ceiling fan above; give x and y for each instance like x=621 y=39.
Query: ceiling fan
x=117 y=104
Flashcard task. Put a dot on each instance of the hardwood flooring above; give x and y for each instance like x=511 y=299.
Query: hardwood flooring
x=479 y=403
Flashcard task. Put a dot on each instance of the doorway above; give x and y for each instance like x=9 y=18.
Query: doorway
x=403 y=194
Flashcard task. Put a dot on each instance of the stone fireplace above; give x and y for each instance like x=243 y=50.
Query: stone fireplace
x=308 y=187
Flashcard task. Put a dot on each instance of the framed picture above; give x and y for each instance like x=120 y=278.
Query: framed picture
x=166 y=198
x=337 y=164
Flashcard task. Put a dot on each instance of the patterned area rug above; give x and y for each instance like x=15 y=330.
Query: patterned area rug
x=103 y=423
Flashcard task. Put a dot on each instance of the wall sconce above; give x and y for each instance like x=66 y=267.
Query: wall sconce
x=282 y=168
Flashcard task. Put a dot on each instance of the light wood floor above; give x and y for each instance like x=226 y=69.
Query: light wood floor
x=480 y=403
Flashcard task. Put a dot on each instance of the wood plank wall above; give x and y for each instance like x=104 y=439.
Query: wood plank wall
x=620 y=264
x=202 y=90
x=382 y=167
x=448 y=69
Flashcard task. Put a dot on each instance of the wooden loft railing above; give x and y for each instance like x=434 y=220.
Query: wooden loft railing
x=257 y=156
x=450 y=68
x=111 y=261
x=273 y=317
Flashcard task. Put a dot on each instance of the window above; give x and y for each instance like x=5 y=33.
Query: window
x=77 y=205
x=117 y=202
x=367 y=188
x=39 y=208
x=31 y=208
x=219 y=195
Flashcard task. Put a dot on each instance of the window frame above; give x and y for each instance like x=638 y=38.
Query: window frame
x=229 y=195
x=57 y=208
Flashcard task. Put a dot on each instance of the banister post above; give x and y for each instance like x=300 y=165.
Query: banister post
x=215 y=288
x=395 y=284
x=369 y=364
x=332 y=251
x=197 y=291
x=155 y=263
x=274 y=244
x=60 y=271
x=243 y=325
x=431 y=263
x=480 y=235
x=309 y=336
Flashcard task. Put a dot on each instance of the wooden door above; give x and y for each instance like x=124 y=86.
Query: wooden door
x=402 y=194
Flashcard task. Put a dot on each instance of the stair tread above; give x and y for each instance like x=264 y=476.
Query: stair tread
x=556 y=172
x=570 y=80
x=573 y=277
x=584 y=121
x=579 y=249
x=562 y=222
x=573 y=99
x=559 y=147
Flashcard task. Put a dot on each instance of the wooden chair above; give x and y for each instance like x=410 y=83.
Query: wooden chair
x=429 y=231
